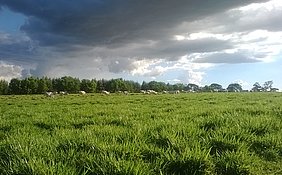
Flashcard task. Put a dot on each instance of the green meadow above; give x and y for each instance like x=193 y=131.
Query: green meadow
x=195 y=133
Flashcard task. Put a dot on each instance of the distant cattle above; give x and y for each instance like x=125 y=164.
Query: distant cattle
x=63 y=93
x=49 y=94
x=154 y=92
x=123 y=92
x=105 y=92
x=82 y=92
x=143 y=91
x=174 y=92
x=151 y=92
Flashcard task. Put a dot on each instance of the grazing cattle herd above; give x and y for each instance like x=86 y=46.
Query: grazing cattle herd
x=62 y=93
x=152 y=92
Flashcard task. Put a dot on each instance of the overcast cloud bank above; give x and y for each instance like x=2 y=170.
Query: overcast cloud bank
x=109 y=38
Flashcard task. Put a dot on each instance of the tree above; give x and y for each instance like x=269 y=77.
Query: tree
x=192 y=87
x=234 y=87
x=206 y=88
x=257 y=87
x=44 y=85
x=32 y=85
x=157 y=86
x=4 y=87
x=101 y=85
x=49 y=83
x=216 y=87
x=153 y=85
x=70 y=84
x=24 y=86
x=57 y=84
x=267 y=86
x=15 y=86
x=178 y=86
x=132 y=86
x=88 y=86
x=144 y=86
x=115 y=85
x=169 y=87
x=162 y=86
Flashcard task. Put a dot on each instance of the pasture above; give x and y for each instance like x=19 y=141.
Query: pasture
x=199 y=133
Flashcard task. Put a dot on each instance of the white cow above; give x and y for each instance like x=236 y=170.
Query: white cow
x=82 y=92
x=63 y=93
x=152 y=92
x=143 y=92
x=105 y=92
x=49 y=94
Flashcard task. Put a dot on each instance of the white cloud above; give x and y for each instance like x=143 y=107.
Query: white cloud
x=254 y=32
x=196 y=77
x=9 y=71
x=266 y=7
x=174 y=81
x=206 y=35
x=145 y=67
x=195 y=72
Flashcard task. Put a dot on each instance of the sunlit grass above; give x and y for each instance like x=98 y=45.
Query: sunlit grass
x=208 y=133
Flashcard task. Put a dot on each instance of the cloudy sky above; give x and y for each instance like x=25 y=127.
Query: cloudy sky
x=187 y=41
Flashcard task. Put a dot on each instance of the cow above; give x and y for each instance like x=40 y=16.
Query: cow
x=143 y=91
x=151 y=92
x=49 y=94
x=154 y=92
x=63 y=93
x=82 y=92
x=106 y=92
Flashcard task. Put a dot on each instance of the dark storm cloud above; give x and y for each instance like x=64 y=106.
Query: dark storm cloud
x=79 y=36
x=16 y=48
x=165 y=49
x=107 y=22
x=180 y=48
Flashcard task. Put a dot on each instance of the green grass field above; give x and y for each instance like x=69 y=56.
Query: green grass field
x=208 y=133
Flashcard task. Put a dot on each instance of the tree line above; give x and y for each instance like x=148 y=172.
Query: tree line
x=35 y=85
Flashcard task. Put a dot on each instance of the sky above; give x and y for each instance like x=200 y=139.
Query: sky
x=181 y=41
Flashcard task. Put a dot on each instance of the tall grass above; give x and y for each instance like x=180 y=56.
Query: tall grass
x=208 y=133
